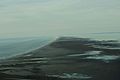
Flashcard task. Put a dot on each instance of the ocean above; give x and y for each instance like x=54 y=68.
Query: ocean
x=10 y=47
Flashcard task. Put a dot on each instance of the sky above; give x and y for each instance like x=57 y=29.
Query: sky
x=58 y=17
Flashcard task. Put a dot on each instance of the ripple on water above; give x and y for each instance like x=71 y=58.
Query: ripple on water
x=105 y=58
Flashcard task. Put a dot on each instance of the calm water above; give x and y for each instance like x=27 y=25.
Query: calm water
x=15 y=46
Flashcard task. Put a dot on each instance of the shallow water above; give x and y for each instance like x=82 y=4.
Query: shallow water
x=72 y=76
x=90 y=53
x=16 y=46
x=105 y=58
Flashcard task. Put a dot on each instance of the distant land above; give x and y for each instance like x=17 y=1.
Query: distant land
x=66 y=58
x=107 y=33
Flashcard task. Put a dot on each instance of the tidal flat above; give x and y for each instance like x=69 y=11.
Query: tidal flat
x=66 y=58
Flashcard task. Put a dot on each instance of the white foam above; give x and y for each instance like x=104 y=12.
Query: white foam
x=39 y=59
x=72 y=75
x=105 y=58
x=28 y=55
x=87 y=53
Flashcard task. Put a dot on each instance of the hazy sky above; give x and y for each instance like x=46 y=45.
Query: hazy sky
x=58 y=17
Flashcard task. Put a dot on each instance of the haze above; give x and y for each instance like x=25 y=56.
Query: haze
x=58 y=17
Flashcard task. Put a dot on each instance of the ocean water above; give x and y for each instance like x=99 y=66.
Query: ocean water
x=102 y=36
x=15 y=46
